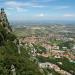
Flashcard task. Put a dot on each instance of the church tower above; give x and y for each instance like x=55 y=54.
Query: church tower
x=2 y=10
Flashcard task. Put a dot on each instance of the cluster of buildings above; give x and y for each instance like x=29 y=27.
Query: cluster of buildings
x=56 y=36
x=51 y=50
x=54 y=67
x=32 y=39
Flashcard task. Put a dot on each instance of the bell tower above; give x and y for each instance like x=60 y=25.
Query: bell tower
x=2 y=10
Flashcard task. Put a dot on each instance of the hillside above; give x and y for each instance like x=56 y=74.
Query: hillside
x=11 y=61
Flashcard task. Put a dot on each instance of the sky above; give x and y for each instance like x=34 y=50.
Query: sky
x=31 y=10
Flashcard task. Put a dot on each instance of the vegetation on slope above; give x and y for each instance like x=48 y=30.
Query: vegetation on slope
x=9 y=56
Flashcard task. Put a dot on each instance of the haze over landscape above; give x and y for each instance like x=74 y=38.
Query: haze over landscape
x=54 y=11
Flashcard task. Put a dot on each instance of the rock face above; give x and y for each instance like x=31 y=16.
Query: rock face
x=4 y=21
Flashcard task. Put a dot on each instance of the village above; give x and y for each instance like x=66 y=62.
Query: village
x=47 y=50
x=51 y=49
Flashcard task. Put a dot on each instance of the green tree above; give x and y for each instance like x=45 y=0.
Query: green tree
x=68 y=44
x=9 y=55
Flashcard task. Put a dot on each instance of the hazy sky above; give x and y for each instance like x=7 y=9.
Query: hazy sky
x=39 y=9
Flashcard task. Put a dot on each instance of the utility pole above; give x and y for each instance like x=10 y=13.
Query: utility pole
x=19 y=49
x=18 y=45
